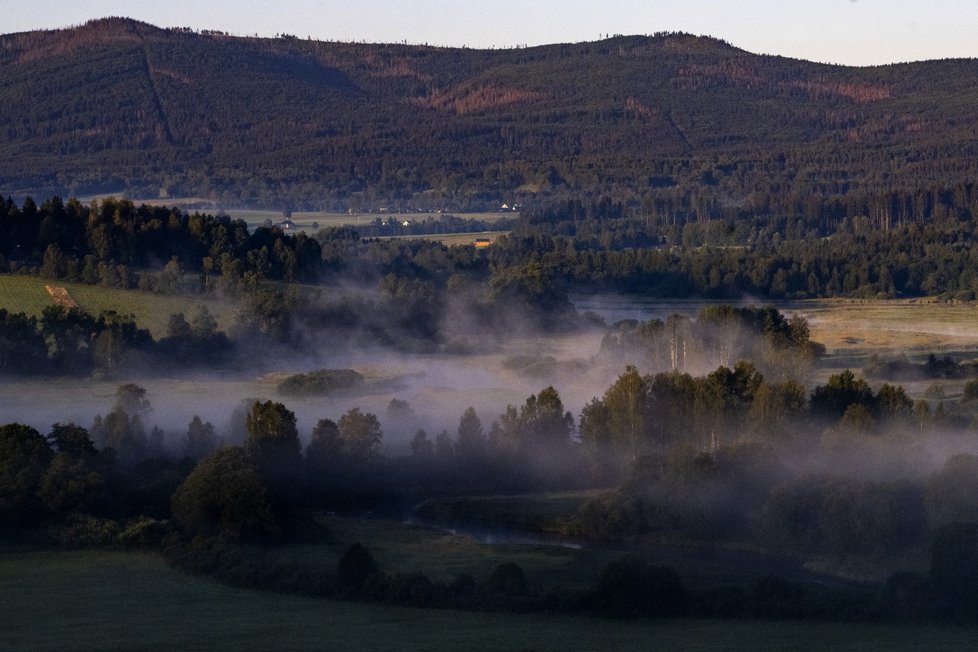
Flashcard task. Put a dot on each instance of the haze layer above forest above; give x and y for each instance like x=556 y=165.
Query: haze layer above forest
x=665 y=123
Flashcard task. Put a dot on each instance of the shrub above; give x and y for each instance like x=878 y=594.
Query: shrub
x=508 y=578
x=143 y=532
x=224 y=495
x=629 y=587
x=321 y=382
x=85 y=531
x=354 y=568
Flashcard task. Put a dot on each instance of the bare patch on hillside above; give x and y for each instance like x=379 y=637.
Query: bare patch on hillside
x=463 y=100
x=861 y=93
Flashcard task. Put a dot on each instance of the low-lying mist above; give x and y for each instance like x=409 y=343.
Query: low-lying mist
x=437 y=387
x=486 y=369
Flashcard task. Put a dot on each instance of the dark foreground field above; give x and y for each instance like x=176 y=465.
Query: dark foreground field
x=99 y=600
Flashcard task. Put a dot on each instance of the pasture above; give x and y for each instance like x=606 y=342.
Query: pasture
x=28 y=294
x=455 y=239
x=853 y=332
x=113 y=600
x=312 y=221
x=909 y=326
x=23 y=294
x=307 y=220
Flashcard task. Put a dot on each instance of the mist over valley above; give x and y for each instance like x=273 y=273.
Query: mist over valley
x=646 y=328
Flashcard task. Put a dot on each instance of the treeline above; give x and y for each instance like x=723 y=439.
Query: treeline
x=115 y=243
x=719 y=336
x=72 y=342
x=264 y=323
x=857 y=259
x=730 y=455
x=111 y=242
x=726 y=459
x=118 y=244
x=674 y=219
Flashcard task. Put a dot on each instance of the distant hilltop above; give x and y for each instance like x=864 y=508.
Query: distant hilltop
x=120 y=106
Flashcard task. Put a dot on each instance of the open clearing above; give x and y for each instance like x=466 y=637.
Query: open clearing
x=304 y=220
x=855 y=331
x=310 y=222
x=28 y=294
x=103 y=600
x=922 y=326
x=455 y=239
x=23 y=294
x=307 y=220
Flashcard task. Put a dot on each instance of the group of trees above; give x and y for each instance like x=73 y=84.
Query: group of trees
x=855 y=258
x=58 y=478
x=719 y=336
x=640 y=415
x=525 y=277
x=725 y=458
x=120 y=468
x=530 y=446
x=117 y=244
x=69 y=341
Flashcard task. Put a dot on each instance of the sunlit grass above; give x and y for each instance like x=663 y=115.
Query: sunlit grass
x=892 y=326
x=23 y=294
x=27 y=294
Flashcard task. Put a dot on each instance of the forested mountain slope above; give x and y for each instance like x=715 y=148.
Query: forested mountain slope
x=664 y=123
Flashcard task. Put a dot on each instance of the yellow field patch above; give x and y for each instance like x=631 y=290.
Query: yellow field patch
x=892 y=326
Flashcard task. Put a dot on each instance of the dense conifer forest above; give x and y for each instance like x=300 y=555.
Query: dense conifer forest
x=675 y=128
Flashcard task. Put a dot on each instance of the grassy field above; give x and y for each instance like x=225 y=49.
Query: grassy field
x=23 y=294
x=27 y=294
x=101 y=600
x=894 y=326
x=456 y=239
x=854 y=331
x=305 y=220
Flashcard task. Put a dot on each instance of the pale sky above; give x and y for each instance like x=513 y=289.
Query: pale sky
x=851 y=32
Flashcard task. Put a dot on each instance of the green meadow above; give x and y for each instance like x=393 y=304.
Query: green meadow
x=115 y=601
x=28 y=294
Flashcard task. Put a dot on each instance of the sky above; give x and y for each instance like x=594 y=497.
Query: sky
x=849 y=32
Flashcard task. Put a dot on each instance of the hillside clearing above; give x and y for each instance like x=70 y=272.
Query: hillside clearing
x=30 y=295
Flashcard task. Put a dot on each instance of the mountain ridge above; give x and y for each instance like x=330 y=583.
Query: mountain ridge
x=145 y=110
